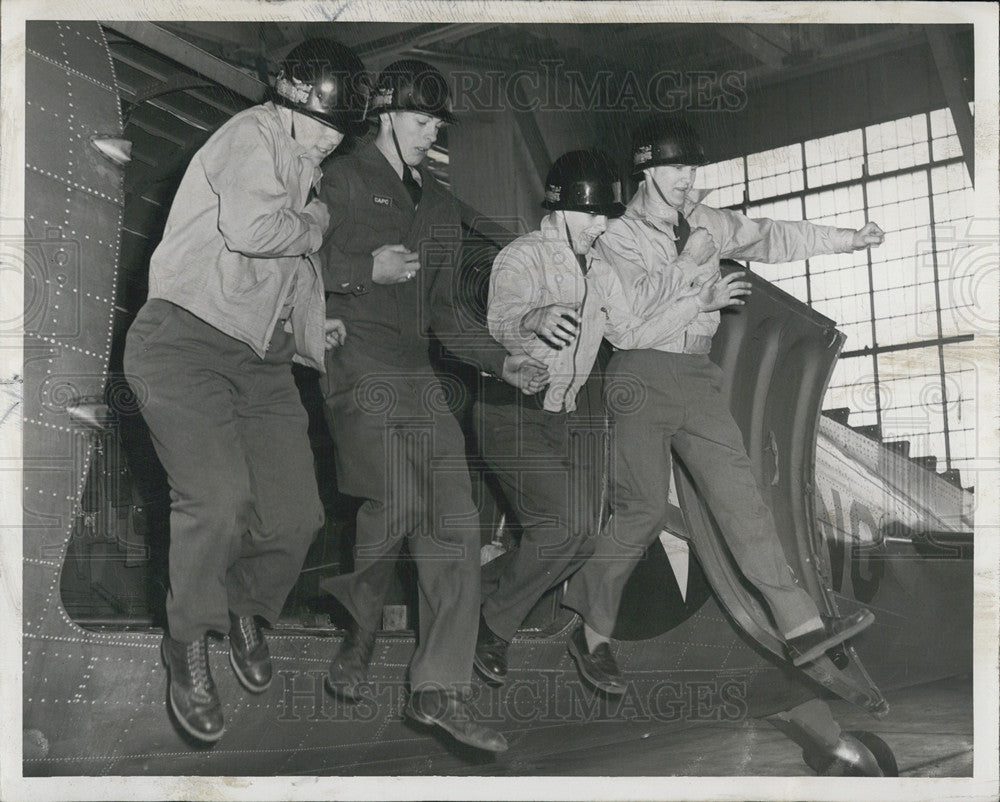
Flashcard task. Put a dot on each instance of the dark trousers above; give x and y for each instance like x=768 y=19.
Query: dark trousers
x=681 y=405
x=549 y=466
x=230 y=431
x=399 y=447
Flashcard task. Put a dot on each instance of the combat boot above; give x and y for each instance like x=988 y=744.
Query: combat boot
x=248 y=653
x=349 y=669
x=192 y=693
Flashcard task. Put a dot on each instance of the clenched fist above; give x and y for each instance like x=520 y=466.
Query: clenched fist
x=317 y=210
x=335 y=331
x=700 y=246
x=394 y=264
x=871 y=236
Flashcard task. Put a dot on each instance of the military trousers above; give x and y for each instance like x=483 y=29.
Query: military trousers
x=678 y=403
x=550 y=468
x=230 y=430
x=399 y=447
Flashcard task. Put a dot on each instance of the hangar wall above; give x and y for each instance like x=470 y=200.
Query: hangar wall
x=493 y=168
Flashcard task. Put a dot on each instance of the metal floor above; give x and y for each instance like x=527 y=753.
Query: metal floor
x=930 y=731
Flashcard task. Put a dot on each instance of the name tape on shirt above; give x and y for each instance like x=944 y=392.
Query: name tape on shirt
x=381 y=200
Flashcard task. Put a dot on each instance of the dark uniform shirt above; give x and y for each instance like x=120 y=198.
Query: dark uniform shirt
x=370 y=207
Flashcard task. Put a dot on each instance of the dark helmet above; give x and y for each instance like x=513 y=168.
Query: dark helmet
x=584 y=181
x=327 y=81
x=665 y=140
x=412 y=85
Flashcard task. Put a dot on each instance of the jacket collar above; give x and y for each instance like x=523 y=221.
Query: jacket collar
x=370 y=153
x=554 y=235
x=273 y=114
x=551 y=231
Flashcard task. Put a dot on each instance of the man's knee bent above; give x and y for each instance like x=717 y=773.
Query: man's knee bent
x=641 y=514
x=221 y=513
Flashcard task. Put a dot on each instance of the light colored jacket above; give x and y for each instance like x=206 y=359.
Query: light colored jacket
x=641 y=247
x=235 y=248
x=540 y=269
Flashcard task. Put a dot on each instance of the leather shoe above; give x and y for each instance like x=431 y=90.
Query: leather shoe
x=806 y=648
x=598 y=667
x=490 y=659
x=442 y=709
x=349 y=668
x=248 y=653
x=192 y=693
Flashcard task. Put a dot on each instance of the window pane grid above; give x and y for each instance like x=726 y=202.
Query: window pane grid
x=889 y=173
x=775 y=172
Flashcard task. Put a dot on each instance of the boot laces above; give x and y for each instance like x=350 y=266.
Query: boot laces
x=250 y=632
x=197 y=663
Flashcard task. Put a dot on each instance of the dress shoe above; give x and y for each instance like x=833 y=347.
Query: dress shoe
x=598 y=667
x=248 y=653
x=806 y=648
x=349 y=668
x=491 y=654
x=193 y=696
x=443 y=709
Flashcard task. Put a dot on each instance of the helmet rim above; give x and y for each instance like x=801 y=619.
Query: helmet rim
x=584 y=181
x=331 y=85
x=660 y=141
x=398 y=85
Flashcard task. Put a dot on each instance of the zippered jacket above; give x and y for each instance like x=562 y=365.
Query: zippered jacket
x=539 y=269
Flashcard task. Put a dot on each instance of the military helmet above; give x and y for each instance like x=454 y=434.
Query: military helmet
x=665 y=140
x=325 y=80
x=584 y=181
x=413 y=85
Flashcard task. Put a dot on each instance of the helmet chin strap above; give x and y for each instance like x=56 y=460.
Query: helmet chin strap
x=399 y=151
x=651 y=180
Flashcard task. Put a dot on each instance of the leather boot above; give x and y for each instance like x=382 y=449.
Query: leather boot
x=490 y=659
x=248 y=653
x=193 y=696
x=349 y=668
x=445 y=710
x=597 y=667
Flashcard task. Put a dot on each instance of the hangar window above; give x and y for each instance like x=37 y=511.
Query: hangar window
x=905 y=307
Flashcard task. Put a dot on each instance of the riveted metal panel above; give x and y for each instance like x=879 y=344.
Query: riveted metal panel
x=73 y=210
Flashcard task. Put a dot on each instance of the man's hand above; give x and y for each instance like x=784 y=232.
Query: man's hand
x=394 y=264
x=317 y=210
x=871 y=236
x=700 y=246
x=556 y=324
x=719 y=292
x=336 y=332
x=525 y=372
